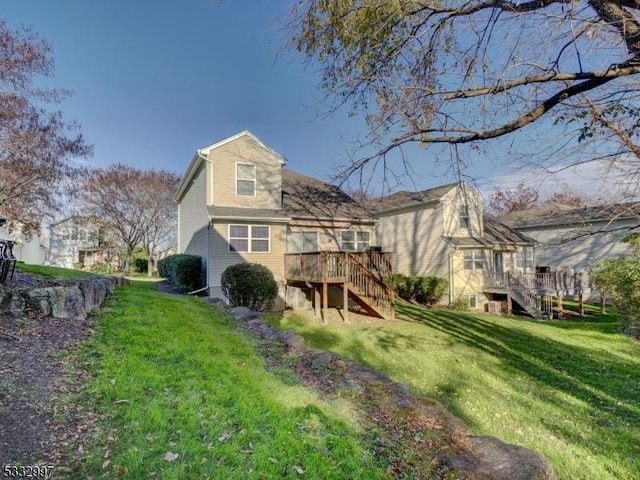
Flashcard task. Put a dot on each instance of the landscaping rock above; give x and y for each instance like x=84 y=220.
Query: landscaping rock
x=59 y=302
x=68 y=299
x=491 y=459
x=243 y=313
x=11 y=301
x=95 y=291
x=293 y=341
x=321 y=361
x=262 y=329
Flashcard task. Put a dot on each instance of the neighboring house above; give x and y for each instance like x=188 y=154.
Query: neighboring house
x=28 y=248
x=575 y=237
x=81 y=241
x=443 y=232
x=237 y=203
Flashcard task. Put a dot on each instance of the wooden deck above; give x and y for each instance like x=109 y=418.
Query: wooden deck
x=554 y=283
x=360 y=275
x=535 y=291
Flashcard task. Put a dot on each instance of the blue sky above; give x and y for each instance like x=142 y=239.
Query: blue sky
x=153 y=81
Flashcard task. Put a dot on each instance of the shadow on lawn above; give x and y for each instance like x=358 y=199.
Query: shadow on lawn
x=606 y=382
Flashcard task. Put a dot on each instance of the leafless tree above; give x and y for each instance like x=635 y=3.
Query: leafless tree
x=37 y=146
x=466 y=73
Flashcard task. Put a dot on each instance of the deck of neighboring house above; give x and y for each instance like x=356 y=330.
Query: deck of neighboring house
x=358 y=275
x=535 y=291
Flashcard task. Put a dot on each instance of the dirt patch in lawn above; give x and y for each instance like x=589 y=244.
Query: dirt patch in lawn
x=33 y=355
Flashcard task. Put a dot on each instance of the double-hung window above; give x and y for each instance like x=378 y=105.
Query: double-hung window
x=355 y=241
x=464 y=217
x=473 y=260
x=249 y=238
x=245 y=179
x=524 y=258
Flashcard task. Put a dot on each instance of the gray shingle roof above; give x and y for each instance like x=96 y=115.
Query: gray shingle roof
x=307 y=197
x=565 y=215
x=407 y=199
x=498 y=232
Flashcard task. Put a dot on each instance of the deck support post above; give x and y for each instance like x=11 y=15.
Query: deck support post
x=580 y=304
x=509 y=305
x=316 y=301
x=345 y=289
x=325 y=302
x=560 y=306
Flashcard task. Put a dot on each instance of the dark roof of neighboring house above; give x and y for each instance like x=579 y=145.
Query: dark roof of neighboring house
x=498 y=232
x=495 y=233
x=306 y=197
x=565 y=215
x=407 y=199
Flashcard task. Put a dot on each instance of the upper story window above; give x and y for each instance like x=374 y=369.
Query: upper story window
x=300 y=242
x=355 y=241
x=245 y=179
x=249 y=238
x=464 y=217
x=473 y=260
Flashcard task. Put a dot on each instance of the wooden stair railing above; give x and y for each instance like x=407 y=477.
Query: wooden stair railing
x=527 y=299
x=370 y=286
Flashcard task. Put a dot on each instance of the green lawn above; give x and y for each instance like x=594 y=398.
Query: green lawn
x=54 y=272
x=569 y=390
x=182 y=394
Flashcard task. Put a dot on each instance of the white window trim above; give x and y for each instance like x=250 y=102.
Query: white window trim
x=468 y=297
x=464 y=213
x=474 y=259
x=249 y=237
x=527 y=254
x=355 y=240
x=254 y=180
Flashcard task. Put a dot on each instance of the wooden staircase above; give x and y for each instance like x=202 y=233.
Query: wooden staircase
x=524 y=297
x=360 y=276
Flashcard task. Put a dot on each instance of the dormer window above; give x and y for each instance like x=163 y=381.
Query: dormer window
x=464 y=217
x=245 y=179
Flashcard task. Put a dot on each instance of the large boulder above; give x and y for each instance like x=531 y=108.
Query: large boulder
x=11 y=301
x=59 y=302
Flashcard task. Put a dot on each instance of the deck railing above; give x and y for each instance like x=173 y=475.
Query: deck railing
x=331 y=266
x=364 y=271
x=552 y=281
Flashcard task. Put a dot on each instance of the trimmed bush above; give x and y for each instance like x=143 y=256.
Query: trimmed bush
x=460 y=305
x=249 y=285
x=182 y=271
x=425 y=290
x=140 y=265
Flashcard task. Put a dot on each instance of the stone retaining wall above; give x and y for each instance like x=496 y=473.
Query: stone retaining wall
x=71 y=299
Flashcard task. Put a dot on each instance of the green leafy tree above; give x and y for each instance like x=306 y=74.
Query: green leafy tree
x=618 y=280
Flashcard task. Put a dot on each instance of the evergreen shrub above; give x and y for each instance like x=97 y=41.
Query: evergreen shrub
x=182 y=271
x=249 y=285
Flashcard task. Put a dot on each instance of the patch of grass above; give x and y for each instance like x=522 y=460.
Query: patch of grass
x=184 y=395
x=54 y=272
x=567 y=389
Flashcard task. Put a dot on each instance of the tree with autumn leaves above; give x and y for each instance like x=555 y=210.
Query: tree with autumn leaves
x=137 y=204
x=39 y=149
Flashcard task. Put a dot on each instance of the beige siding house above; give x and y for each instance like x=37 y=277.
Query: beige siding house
x=443 y=232
x=576 y=237
x=237 y=203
